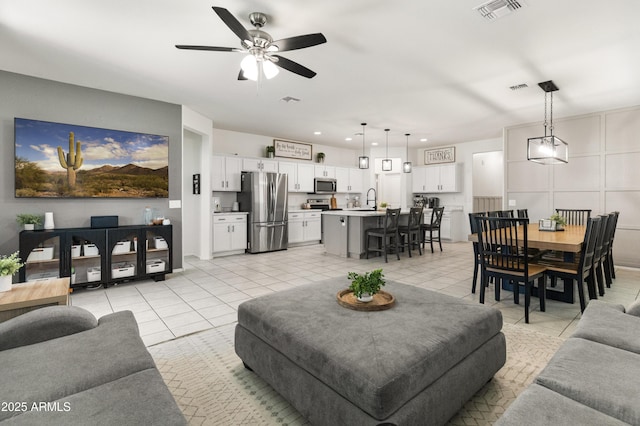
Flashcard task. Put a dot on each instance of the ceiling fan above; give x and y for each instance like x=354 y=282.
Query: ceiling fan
x=261 y=48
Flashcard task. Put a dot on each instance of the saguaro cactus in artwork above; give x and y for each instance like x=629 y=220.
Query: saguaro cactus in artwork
x=73 y=160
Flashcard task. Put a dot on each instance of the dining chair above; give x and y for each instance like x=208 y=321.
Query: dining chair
x=580 y=271
x=386 y=237
x=599 y=253
x=410 y=234
x=503 y=253
x=477 y=264
x=432 y=227
x=523 y=213
x=609 y=262
x=608 y=258
x=575 y=216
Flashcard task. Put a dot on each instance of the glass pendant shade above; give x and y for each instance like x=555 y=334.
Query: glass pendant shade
x=270 y=69
x=363 y=161
x=406 y=166
x=547 y=150
x=249 y=67
x=387 y=164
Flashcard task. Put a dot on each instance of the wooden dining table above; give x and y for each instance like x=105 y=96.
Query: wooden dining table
x=568 y=241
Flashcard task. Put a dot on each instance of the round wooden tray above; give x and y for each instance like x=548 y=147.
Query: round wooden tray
x=381 y=301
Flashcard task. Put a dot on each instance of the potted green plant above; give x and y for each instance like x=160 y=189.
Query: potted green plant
x=29 y=221
x=560 y=221
x=271 y=151
x=320 y=157
x=364 y=286
x=9 y=265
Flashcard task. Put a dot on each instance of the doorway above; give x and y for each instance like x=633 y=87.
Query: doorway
x=487 y=181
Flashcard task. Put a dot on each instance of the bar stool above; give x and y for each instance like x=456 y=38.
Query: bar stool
x=412 y=230
x=387 y=237
x=433 y=226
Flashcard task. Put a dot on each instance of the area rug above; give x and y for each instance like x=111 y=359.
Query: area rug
x=212 y=387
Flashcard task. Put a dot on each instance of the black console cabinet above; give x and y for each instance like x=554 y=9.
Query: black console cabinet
x=97 y=256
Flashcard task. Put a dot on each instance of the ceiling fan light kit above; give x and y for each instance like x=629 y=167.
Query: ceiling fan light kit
x=387 y=164
x=363 y=161
x=260 y=48
x=548 y=149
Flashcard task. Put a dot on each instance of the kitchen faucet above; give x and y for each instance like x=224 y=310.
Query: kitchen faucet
x=375 y=198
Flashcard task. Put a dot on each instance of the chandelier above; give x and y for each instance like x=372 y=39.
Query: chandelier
x=548 y=149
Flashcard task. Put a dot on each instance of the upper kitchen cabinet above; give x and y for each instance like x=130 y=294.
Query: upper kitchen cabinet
x=225 y=173
x=442 y=178
x=349 y=179
x=300 y=175
x=325 y=171
x=259 y=165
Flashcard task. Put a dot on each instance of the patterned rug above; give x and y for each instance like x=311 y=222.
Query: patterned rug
x=212 y=387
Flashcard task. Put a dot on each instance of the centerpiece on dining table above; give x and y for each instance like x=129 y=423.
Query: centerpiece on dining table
x=555 y=223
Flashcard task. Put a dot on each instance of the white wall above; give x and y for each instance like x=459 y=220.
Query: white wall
x=602 y=173
x=488 y=174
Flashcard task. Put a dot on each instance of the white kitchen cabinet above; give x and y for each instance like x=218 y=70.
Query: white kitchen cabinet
x=325 y=171
x=300 y=175
x=304 y=227
x=229 y=233
x=226 y=173
x=349 y=180
x=259 y=165
x=433 y=179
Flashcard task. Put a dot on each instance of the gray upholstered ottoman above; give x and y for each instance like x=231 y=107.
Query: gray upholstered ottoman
x=414 y=364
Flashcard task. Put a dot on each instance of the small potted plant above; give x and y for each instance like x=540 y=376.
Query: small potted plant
x=560 y=221
x=320 y=157
x=29 y=221
x=364 y=286
x=271 y=151
x=9 y=265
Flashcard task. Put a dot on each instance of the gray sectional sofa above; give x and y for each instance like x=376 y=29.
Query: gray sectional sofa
x=61 y=366
x=592 y=379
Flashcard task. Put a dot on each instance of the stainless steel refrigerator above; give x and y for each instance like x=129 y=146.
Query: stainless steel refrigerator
x=264 y=196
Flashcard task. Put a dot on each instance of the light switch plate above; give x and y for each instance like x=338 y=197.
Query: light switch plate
x=512 y=203
x=175 y=204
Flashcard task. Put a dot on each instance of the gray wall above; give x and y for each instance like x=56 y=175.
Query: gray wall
x=29 y=97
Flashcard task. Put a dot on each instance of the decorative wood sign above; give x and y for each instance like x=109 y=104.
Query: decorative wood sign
x=440 y=155
x=297 y=150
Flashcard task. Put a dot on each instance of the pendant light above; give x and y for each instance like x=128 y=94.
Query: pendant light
x=363 y=162
x=387 y=163
x=548 y=149
x=406 y=166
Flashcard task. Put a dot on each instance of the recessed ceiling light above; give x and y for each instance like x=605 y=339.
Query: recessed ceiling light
x=423 y=140
x=348 y=139
x=374 y=143
x=317 y=133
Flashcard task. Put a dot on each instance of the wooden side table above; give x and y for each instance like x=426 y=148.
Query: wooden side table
x=25 y=297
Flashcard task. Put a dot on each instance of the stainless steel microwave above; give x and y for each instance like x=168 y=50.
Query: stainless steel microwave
x=324 y=186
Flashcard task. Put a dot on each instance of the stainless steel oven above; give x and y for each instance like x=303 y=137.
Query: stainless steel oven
x=324 y=186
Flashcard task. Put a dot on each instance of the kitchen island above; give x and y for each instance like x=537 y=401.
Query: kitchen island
x=343 y=231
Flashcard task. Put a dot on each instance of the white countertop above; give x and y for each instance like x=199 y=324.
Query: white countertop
x=360 y=213
x=228 y=213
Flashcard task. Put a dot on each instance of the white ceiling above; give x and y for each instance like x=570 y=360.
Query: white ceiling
x=432 y=68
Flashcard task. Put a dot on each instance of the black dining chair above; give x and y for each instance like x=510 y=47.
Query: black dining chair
x=503 y=253
x=523 y=213
x=387 y=237
x=580 y=271
x=599 y=253
x=609 y=262
x=575 y=216
x=432 y=228
x=477 y=264
x=410 y=235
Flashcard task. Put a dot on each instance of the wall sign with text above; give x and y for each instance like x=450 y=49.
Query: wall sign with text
x=297 y=150
x=440 y=155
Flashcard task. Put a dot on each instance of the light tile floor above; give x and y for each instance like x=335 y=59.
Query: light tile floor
x=207 y=293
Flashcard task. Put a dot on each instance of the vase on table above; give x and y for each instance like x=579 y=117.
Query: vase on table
x=5 y=282
x=48 y=220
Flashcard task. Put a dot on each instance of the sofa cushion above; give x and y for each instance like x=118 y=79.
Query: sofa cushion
x=539 y=406
x=54 y=369
x=138 y=399
x=596 y=375
x=634 y=308
x=377 y=360
x=608 y=324
x=44 y=324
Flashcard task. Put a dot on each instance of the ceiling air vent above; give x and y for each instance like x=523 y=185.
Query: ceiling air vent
x=495 y=9
x=519 y=86
x=288 y=99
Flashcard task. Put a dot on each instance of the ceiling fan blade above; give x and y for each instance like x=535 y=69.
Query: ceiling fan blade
x=299 y=42
x=241 y=75
x=294 y=67
x=233 y=24
x=213 y=48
